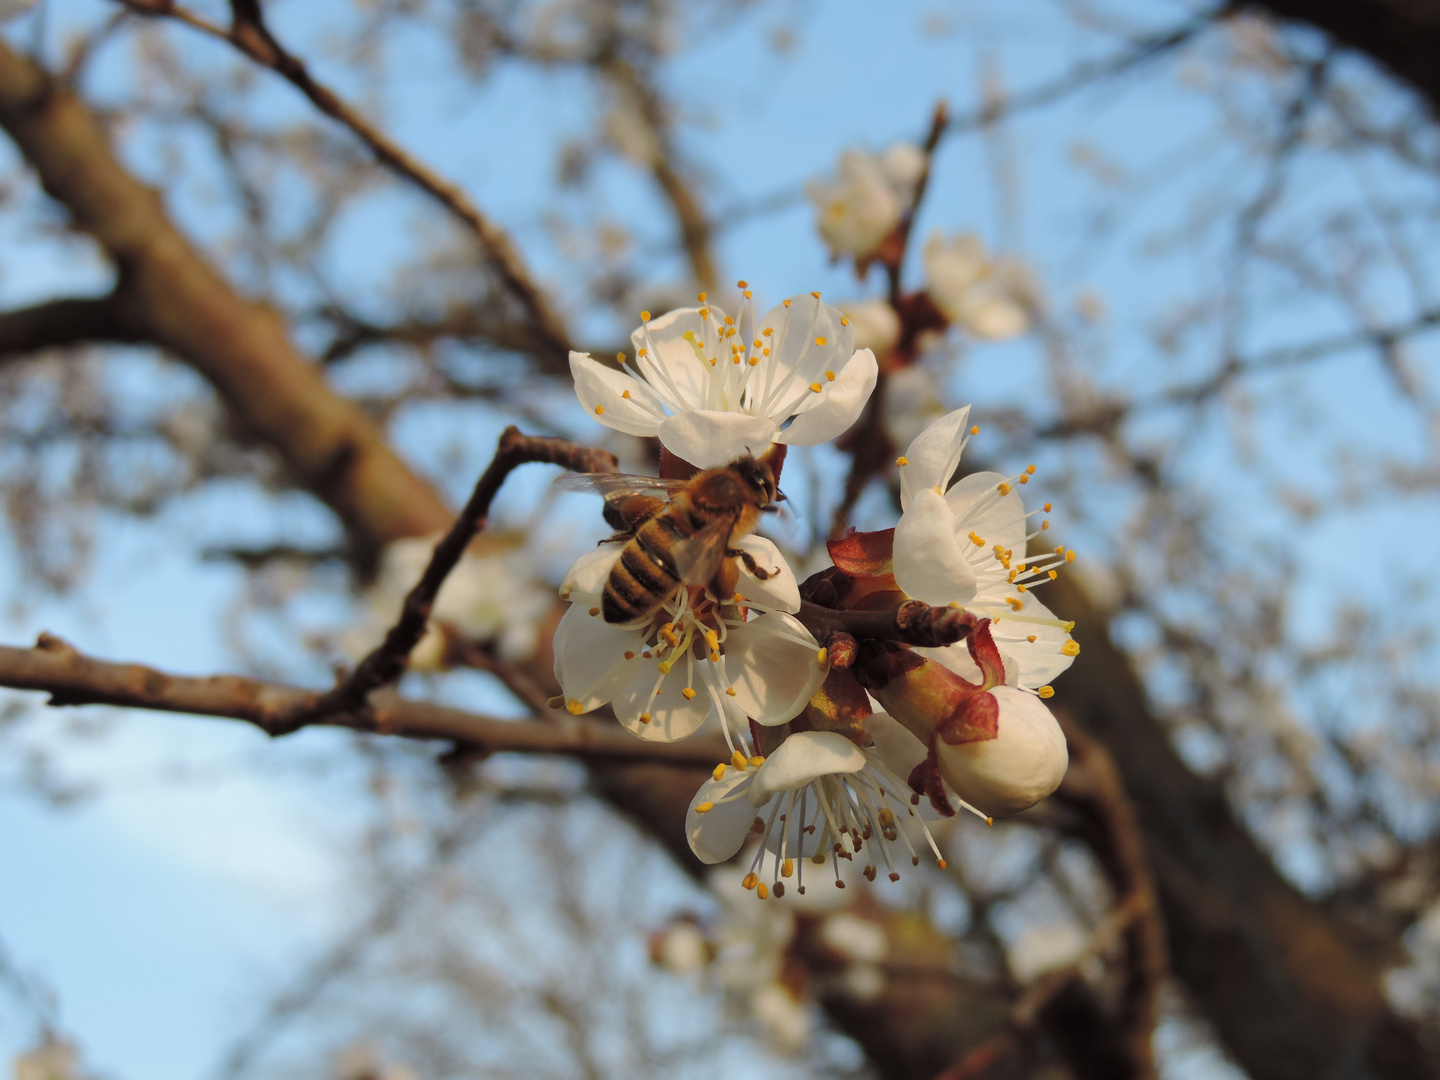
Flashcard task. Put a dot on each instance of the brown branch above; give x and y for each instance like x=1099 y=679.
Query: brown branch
x=912 y=623
x=899 y=243
x=249 y=34
x=71 y=678
x=60 y=324
x=387 y=662
x=174 y=298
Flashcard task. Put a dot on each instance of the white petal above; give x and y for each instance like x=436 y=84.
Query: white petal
x=958 y=659
x=773 y=673
x=991 y=314
x=717 y=834
x=1039 y=661
x=840 y=404
x=1018 y=768
x=585 y=580
x=933 y=456
x=978 y=506
x=805 y=757
x=602 y=391
x=673 y=716
x=683 y=370
x=795 y=347
x=781 y=592
x=930 y=563
x=898 y=750
x=705 y=438
x=952 y=267
x=590 y=663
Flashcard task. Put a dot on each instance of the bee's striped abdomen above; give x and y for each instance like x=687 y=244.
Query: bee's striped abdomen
x=640 y=581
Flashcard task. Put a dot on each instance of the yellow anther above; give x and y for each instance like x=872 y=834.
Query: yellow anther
x=1053 y=574
x=1069 y=556
x=756 y=761
x=625 y=394
x=941 y=863
x=730 y=690
x=816 y=295
x=594 y=611
x=714 y=657
x=719 y=773
x=620 y=357
x=1030 y=638
x=1070 y=648
x=644 y=717
x=599 y=409
x=665 y=666
x=766 y=352
x=742 y=284
x=1015 y=603
x=755 y=359
x=787 y=868
x=1021 y=568
x=688 y=693
x=1003 y=489
x=822 y=657
x=1044 y=525
x=844 y=321
x=629 y=655
x=787 y=303
x=737 y=598
x=705 y=807
x=750 y=881
x=747 y=294
x=700 y=297
x=644 y=316
x=1030 y=469
x=573 y=707
x=815 y=386
x=976 y=539
x=902 y=460
x=644 y=352
x=829 y=376
x=819 y=341
x=762 y=892
x=1046 y=691
x=1047 y=508
x=1067 y=627
x=975 y=429
x=1024 y=479
x=1019 y=588
x=738 y=760
x=770 y=329
x=704 y=313
x=729 y=321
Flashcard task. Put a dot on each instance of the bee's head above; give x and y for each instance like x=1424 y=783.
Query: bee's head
x=760 y=478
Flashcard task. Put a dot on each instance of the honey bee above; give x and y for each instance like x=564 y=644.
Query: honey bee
x=686 y=538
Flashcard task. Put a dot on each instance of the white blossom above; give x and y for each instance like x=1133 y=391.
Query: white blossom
x=911 y=402
x=990 y=299
x=817 y=795
x=877 y=326
x=493 y=593
x=699 y=657
x=713 y=389
x=967 y=546
x=867 y=198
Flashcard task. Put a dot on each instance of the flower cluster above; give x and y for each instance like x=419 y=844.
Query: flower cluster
x=904 y=680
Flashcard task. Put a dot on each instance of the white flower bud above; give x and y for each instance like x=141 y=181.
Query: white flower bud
x=1013 y=771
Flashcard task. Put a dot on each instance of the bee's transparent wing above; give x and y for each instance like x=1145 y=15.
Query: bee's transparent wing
x=698 y=556
x=616 y=485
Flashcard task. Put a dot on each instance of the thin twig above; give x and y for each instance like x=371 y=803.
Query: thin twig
x=249 y=34
x=388 y=660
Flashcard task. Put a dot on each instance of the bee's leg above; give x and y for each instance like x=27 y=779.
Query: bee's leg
x=618 y=538
x=749 y=561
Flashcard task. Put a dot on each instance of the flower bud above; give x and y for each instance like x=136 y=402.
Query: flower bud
x=1013 y=771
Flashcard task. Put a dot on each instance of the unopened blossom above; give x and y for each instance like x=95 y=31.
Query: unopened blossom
x=817 y=796
x=994 y=748
x=700 y=656
x=877 y=326
x=713 y=388
x=492 y=594
x=966 y=544
x=990 y=299
x=869 y=195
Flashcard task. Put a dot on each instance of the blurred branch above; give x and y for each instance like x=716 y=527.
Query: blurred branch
x=249 y=34
x=387 y=662
x=72 y=678
x=62 y=323
x=169 y=294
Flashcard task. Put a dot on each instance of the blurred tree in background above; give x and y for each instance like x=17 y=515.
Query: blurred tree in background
x=274 y=280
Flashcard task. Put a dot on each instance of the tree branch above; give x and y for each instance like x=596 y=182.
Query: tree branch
x=58 y=324
x=171 y=296
x=71 y=678
x=249 y=34
x=387 y=662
